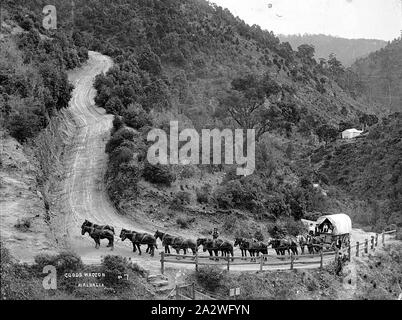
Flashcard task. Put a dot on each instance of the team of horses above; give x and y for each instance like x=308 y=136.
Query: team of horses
x=212 y=246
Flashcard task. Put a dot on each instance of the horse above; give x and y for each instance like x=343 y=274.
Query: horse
x=314 y=244
x=210 y=245
x=99 y=234
x=139 y=238
x=302 y=240
x=184 y=244
x=242 y=245
x=227 y=249
x=254 y=247
x=285 y=244
x=96 y=226
x=167 y=240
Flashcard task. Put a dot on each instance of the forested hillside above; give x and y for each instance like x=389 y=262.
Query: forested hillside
x=33 y=79
x=369 y=170
x=381 y=74
x=346 y=50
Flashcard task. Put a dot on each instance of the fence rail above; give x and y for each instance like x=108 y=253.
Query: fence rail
x=274 y=262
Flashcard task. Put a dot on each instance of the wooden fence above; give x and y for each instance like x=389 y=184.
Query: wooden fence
x=191 y=292
x=274 y=262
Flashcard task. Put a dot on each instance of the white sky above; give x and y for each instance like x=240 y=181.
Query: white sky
x=370 y=19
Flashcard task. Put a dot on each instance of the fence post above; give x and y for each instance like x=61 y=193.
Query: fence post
x=177 y=292
x=261 y=262
x=372 y=242
x=336 y=253
x=376 y=239
x=383 y=238
x=228 y=263
x=193 y=290
x=291 y=260
x=366 y=246
x=162 y=262
x=196 y=261
x=357 y=248
x=349 y=252
x=322 y=257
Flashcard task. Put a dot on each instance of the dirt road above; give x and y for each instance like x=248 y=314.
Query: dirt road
x=86 y=166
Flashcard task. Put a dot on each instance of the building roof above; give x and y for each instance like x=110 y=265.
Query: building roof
x=341 y=223
x=352 y=130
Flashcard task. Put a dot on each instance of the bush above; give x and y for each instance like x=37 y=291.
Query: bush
x=119 y=137
x=258 y=235
x=23 y=224
x=210 y=278
x=113 y=267
x=118 y=123
x=64 y=262
x=183 y=222
x=181 y=198
x=158 y=174
x=136 y=117
x=203 y=194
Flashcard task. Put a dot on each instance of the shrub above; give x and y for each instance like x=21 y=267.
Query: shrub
x=136 y=117
x=229 y=224
x=202 y=195
x=210 y=278
x=113 y=267
x=182 y=222
x=119 y=137
x=258 y=235
x=182 y=198
x=23 y=224
x=64 y=262
x=118 y=123
x=158 y=174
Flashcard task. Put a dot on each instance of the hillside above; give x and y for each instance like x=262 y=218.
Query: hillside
x=367 y=172
x=346 y=50
x=381 y=75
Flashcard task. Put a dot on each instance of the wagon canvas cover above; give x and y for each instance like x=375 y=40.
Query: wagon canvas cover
x=341 y=223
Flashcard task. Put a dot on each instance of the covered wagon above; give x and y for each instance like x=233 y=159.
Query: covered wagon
x=334 y=230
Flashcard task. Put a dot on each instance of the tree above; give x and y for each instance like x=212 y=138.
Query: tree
x=247 y=103
x=136 y=117
x=368 y=119
x=150 y=62
x=327 y=133
x=306 y=53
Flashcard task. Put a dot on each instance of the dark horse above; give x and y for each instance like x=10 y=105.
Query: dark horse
x=184 y=244
x=210 y=245
x=242 y=245
x=98 y=235
x=314 y=244
x=253 y=246
x=283 y=245
x=168 y=240
x=213 y=246
x=139 y=238
x=96 y=226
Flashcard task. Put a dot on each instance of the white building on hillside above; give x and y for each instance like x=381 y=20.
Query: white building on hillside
x=351 y=133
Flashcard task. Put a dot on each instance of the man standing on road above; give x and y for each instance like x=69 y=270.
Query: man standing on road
x=215 y=234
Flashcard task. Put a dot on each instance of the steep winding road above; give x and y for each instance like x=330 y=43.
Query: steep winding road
x=86 y=165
